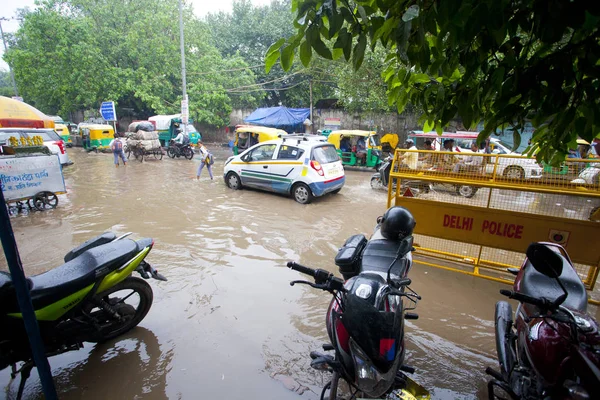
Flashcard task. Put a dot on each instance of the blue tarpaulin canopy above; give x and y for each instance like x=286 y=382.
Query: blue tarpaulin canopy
x=289 y=119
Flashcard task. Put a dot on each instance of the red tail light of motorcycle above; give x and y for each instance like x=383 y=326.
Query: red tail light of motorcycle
x=317 y=167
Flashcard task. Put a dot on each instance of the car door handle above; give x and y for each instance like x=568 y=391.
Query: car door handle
x=265 y=166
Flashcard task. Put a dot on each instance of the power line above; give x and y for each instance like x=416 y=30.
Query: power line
x=226 y=70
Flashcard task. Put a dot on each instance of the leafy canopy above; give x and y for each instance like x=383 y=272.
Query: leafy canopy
x=503 y=62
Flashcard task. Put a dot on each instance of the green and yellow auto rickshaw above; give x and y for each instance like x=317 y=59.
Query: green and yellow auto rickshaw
x=246 y=136
x=64 y=132
x=357 y=148
x=95 y=135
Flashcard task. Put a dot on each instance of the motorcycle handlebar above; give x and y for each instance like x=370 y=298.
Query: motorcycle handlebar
x=542 y=303
x=301 y=268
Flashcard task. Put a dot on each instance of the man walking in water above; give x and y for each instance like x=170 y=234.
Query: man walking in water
x=117 y=149
x=206 y=159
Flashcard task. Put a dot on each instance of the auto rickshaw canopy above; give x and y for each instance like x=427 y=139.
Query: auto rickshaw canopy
x=336 y=136
x=16 y=114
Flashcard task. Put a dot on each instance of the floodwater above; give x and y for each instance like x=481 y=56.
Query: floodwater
x=227 y=324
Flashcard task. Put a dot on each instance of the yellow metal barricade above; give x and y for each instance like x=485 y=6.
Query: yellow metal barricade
x=477 y=213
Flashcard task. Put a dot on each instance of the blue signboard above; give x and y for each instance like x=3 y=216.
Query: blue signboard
x=107 y=110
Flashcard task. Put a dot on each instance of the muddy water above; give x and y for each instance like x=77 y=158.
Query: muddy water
x=227 y=324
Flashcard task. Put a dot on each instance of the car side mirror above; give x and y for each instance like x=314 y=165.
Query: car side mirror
x=544 y=260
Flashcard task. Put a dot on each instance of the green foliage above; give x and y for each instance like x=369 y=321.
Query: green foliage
x=6 y=87
x=74 y=54
x=503 y=62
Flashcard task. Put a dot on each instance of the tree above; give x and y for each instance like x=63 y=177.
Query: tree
x=503 y=62
x=74 y=54
x=248 y=31
x=6 y=87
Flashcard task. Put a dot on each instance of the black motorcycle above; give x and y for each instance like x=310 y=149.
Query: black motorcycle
x=381 y=178
x=175 y=150
x=365 y=319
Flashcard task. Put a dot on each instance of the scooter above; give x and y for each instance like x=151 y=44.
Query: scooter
x=380 y=180
x=365 y=319
x=83 y=300
x=552 y=348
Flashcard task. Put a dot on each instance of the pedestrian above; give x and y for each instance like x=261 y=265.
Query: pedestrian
x=205 y=159
x=117 y=149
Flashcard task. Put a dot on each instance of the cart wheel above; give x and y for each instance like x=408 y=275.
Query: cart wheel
x=45 y=200
x=158 y=154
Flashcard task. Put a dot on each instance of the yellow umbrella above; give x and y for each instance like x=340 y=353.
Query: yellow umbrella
x=16 y=114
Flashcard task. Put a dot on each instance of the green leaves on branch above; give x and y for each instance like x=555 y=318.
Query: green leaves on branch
x=500 y=63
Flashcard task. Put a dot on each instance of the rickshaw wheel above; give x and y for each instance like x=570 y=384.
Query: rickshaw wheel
x=45 y=200
x=158 y=154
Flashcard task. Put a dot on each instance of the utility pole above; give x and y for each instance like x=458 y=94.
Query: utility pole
x=12 y=74
x=184 y=103
x=311 y=104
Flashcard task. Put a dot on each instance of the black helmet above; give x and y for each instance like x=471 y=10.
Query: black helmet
x=397 y=223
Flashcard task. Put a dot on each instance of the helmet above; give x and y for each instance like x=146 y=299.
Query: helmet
x=409 y=141
x=397 y=223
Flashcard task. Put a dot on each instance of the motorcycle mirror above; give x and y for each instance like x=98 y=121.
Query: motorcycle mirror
x=544 y=260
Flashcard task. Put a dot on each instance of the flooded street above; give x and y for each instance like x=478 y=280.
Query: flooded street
x=227 y=324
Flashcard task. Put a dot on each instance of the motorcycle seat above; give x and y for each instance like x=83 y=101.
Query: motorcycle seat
x=104 y=238
x=82 y=271
x=379 y=254
x=538 y=285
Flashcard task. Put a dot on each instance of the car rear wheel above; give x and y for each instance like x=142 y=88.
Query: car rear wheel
x=514 y=173
x=233 y=181
x=302 y=193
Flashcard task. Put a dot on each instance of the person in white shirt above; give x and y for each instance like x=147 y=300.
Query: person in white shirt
x=470 y=163
x=409 y=159
x=205 y=159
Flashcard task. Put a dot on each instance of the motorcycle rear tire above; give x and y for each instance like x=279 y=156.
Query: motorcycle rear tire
x=188 y=153
x=139 y=286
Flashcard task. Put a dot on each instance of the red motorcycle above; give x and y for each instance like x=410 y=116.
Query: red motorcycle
x=365 y=319
x=552 y=349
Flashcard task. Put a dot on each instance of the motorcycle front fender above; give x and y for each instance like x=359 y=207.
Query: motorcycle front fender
x=503 y=324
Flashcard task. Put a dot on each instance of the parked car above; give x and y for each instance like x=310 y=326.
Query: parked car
x=303 y=166
x=51 y=140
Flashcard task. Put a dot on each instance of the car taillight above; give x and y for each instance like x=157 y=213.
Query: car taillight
x=61 y=146
x=317 y=167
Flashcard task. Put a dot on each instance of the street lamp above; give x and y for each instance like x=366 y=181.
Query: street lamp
x=12 y=74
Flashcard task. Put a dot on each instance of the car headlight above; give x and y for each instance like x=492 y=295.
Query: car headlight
x=368 y=378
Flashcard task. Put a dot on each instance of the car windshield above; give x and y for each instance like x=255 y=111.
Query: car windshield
x=325 y=154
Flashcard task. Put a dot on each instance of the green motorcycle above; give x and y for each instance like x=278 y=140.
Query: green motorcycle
x=93 y=297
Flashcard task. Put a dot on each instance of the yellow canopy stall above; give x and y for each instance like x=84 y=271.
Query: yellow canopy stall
x=16 y=114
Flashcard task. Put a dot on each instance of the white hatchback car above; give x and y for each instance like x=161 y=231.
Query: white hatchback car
x=51 y=139
x=304 y=166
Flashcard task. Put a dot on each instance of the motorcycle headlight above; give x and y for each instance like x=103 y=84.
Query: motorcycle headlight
x=367 y=376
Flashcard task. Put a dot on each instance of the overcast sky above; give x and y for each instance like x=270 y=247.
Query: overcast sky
x=201 y=8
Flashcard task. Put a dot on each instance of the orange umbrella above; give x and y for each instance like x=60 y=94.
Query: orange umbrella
x=16 y=114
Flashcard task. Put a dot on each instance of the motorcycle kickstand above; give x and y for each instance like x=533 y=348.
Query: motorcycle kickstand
x=25 y=373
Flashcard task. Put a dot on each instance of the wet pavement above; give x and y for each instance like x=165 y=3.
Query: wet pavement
x=227 y=324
